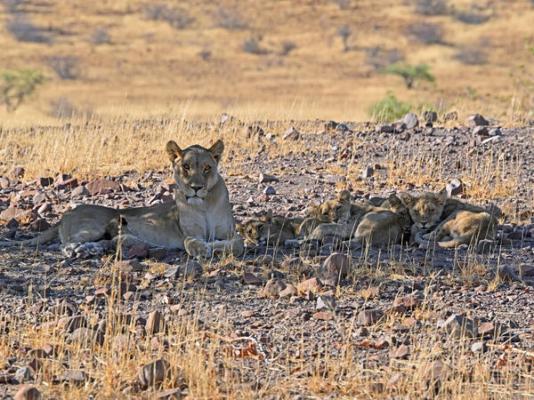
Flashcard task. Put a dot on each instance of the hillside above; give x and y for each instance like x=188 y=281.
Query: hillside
x=272 y=59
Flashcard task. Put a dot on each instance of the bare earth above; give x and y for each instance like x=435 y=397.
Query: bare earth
x=390 y=315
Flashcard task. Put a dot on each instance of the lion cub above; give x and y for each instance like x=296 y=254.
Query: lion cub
x=270 y=229
x=448 y=221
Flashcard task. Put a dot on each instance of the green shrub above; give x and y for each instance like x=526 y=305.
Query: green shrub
x=17 y=85
x=389 y=109
x=410 y=73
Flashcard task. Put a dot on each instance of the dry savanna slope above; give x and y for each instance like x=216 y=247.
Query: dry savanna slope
x=270 y=59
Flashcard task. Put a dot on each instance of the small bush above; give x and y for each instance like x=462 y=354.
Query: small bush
x=431 y=7
x=18 y=85
x=426 y=33
x=380 y=58
x=175 y=17
x=25 y=31
x=471 y=56
x=410 y=73
x=229 y=18
x=65 y=67
x=471 y=17
x=389 y=109
x=252 y=46
x=100 y=36
x=287 y=47
x=344 y=32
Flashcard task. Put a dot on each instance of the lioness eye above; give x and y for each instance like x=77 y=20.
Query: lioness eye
x=186 y=167
x=207 y=169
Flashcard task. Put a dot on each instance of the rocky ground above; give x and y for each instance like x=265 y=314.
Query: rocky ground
x=390 y=306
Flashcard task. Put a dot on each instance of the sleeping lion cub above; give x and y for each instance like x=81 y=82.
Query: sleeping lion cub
x=449 y=222
x=200 y=220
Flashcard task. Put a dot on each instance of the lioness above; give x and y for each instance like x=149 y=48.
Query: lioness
x=200 y=220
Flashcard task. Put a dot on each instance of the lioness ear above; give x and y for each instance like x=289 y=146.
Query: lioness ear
x=173 y=150
x=216 y=150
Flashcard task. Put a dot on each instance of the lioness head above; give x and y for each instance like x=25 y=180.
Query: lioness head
x=426 y=208
x=195 y=169
x=337 y=210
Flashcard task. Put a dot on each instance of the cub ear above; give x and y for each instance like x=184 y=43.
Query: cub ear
x=443 y=194
x=405 y=198
x=173 y=150
x=217 y=149
x=343 y=196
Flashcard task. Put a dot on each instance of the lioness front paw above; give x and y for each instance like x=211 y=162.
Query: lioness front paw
x=197 y=248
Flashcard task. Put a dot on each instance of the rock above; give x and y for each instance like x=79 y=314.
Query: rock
x=460 y=326
x=4 y=182
x=402 y=352
x=369 y=317
x=312 y=285
x=480 y=131
x=139 y=250
x=273 y=288
x=18 y=172
x=291 y=134
x=409 y=302
x=265 y=178
x=477 y=120
x=335 y=268
x=191 y=270
x=495 y=132
x=492 y=139
x=411 y=121
x=28 y=392
x=15 y=213
x=325 y=302
x=384 y=128
x=46 y=181
x=74 y=377
x=330 y=126
x=44 y=208
x=430 y=117
x=153 y=374
x=454 y=187
x=269 y=191
x=254 y=131
x=24 y=374
x=479 y=347
x=12 y=224
x=367 y=172
x=507 y=274
x=102 y=186
x=249 y=278
x=79 y=191
x=289 y=291
x=342 y=128
x=65 y=182
x=154 y=323
x=323 y=315
x=39 y=225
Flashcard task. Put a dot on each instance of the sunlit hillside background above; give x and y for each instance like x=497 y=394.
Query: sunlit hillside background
x=271 y=58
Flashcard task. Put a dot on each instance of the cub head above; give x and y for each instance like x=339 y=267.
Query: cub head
x=337 y=210
x=425 y=209
x=267 y=228
x=195 y=169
